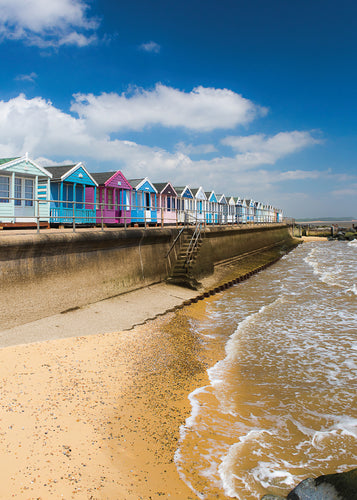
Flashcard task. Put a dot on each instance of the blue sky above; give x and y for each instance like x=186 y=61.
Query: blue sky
x=253 y=99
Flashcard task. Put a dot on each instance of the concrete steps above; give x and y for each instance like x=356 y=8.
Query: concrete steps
x=181 y=273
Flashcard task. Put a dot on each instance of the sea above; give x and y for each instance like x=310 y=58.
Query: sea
x=280 y=403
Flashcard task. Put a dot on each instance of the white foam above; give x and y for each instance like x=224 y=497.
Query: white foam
x=352 y=243
x=353 y=289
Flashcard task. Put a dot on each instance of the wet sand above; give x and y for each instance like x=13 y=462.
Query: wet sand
x=98 y=416
x=314 y=238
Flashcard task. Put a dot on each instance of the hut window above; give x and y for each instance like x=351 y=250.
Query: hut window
x=97 y=199
x=125 y=200
x=110 y=199
x=18 y=191
x=4 y=189
x=168 y=202
x=29 y=192
x=133 y=199
x=79 y=197
x=147 y=200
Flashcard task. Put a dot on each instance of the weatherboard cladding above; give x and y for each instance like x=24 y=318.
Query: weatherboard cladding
x=184 y=192
x=78 y=176
x=165 y=188
x=146 y=186
x=112 y=179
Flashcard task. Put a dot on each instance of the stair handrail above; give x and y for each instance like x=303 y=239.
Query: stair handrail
x=175 y=241
x=186 y=225
x=193 y=243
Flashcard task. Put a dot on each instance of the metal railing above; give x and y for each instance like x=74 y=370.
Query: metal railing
x=37 y=211
x=193 y=244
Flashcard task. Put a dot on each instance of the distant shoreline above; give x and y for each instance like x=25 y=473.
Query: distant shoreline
x=342 y=223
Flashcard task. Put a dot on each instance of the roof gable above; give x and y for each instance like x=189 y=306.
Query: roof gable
x=112 y=179
x=222 y=199
x=77 y=174
x=211 y=196
x=199 y=193
x=165 y=188
x=143 y=185
x=24 y=165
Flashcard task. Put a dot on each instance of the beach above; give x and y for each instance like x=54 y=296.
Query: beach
x=87 y=414
x=96 y=416
x=161 y=408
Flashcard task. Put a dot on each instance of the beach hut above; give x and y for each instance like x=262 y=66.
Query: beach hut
x=24 y=187
x=143 y=201
x=279 y=215
x=200 y=200
x=166 y=202
x=222 y=209
x=232 y=211
x=68 y=195
x=258 y=211
x=185 y=204
x=212 y=208
x=250 y=210
x=111 y=198
x=239 y=209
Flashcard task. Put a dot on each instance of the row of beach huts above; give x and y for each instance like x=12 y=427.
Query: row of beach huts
x=63 y=194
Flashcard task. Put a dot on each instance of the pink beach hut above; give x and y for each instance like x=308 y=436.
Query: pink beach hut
x=112 y=198
x=166 y=202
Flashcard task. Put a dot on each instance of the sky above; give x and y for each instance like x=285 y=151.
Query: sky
x=247 y=98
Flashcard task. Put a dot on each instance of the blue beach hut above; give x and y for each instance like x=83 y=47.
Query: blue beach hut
x=212 y=208
x=185 y=204
x=143 y=201
x=200 y=200
x=23 y=184
x=68 y=188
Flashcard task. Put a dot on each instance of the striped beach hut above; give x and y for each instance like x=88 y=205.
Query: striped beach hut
x=68 y=195
x=111 y=198
x=24 y=187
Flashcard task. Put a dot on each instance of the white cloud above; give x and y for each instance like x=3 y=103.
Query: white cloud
x=351 y=190
x=150 y=47
x=259 y=149
x=27 y=78
x=200 y=149
x=203 y=109
x=49 y=134
x=47 y=23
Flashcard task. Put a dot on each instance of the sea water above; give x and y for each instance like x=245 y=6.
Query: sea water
x=280 y=405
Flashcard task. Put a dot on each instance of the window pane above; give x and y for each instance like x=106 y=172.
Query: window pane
x=29 y=192
x=110 y=199
x=4 y=189
x=18 y=191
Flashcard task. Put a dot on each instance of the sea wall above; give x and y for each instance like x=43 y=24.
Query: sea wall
x=49 y=273
x=225 y=243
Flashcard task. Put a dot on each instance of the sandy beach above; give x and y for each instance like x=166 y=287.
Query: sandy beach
x=93 y=415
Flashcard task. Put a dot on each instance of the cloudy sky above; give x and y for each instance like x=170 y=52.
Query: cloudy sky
x=249 y=98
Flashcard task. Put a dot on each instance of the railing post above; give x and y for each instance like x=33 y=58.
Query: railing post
x=38 y=215
x=74 y=218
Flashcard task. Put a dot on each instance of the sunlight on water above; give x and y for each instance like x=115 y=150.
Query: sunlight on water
x=281 y=403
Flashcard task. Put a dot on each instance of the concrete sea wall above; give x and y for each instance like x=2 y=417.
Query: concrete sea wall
x=51 y=273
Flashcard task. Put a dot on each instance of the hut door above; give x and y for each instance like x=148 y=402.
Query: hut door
x=24 y=202
x=147 y=206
